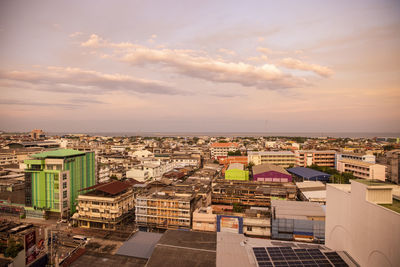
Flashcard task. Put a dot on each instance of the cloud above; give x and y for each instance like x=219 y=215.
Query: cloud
x=198 y=64
x=269 y=51
x=227 y=51
x=75 y=34
x=15 y=102
x=292 y=63
x=75 y=80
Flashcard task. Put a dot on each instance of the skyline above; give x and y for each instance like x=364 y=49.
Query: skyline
x=200 y=67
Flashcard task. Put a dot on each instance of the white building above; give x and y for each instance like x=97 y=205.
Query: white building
x=222 y=149
x=138 y=174
x=362 y=170
x=358 y=224
x=357 y=156
x=142 y=154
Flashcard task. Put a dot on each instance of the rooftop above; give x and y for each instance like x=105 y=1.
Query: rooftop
x=60 y=153
x=238 y=166
x=395 y=206
x=268 y=167
x=224 y=145
x=112 y=188
x=283 y=152
x=307 y=172
x=141 y=245
x=357 y=162
x=296 y=209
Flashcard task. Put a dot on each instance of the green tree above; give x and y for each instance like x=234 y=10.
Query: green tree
x=13 y=248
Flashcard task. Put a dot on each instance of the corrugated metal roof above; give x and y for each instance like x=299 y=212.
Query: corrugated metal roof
x=112 y=188
x=308 y=173
x=266 y=167
x=141 y=245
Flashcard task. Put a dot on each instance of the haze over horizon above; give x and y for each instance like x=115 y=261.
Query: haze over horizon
x=226 y=66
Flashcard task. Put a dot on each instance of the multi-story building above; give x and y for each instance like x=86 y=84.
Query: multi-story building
x=361 y=169
x=37 y=134
x=53 y=180
x=251 y=194
x=281 y=158
x=324 y=158
x=392 y=161
x=297 y=220
x=363 y=219
x=357 y=156
x=165 y=211
x=105 y=206
x=220 y=150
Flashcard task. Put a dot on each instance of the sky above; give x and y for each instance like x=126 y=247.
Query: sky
x=200 y=66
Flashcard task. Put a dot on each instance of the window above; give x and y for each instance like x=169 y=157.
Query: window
x=64 y=194
x=249 y=228
x=65 y=203
x=64 y=185
x=64 y=176
x=95 y=210
x=55 y=186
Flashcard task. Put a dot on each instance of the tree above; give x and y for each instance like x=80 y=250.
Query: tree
x=237 y=207
x=13 y=248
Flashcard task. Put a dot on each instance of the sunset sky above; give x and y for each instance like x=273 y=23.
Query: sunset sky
x=231 y=66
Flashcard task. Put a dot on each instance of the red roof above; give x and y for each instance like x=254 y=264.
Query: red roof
x=112 y=188
x=224 y=145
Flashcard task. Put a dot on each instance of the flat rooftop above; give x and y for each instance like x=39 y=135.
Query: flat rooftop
x=90 y=258
x=184 y=248
x=296 y=209
x=60 y=153
x=141 y=245
x=357 y=162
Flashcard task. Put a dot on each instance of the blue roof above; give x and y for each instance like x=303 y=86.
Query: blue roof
x=309 y=174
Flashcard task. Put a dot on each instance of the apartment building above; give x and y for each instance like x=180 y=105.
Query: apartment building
x=219 y=150
x=281 y=158
x=8 y=159
x=105 y=206
x=392 y=162
x=165 y=210
x=54 y=179
x=362 y=220
x=324 y=158
x=362 y=170
x=185 y=160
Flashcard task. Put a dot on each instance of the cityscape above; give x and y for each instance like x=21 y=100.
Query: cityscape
x=199 y=133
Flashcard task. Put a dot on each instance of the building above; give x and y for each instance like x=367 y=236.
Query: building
x=165 y=211
x=234 y=159
x=138 y=174
x=219 y=150
x=105 y=206
x=393 y=166
x=37 y=134
x=312 y=191
x=204 y=220
x=185 y=160
x=53 y=180
x=325 y=158
x=270 y=173
x=307 y=174
x=363 y=219
x=236 y=171
x=297 y=220
x=362 y=170
x=249 y=193
x=357 y=156
x=281 y=158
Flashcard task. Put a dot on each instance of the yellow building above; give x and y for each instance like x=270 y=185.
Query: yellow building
x=281 y=158
x=105 y=206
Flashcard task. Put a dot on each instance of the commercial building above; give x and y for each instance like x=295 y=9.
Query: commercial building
x=165 y=210
x=281 y=158
x=362 y=170
x=105 y=206
x=236 y=171
x=219 y=150
x=307 y=174
x=306 y=158
x=363 y=219
x=297 y=220
x=54 y=179
x=270 y=173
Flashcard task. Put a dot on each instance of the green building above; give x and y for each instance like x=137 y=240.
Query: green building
x=236 y=171
x=53 y=180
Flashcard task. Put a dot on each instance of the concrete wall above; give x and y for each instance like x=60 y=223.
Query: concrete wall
x=368 y=232
x=272 y=176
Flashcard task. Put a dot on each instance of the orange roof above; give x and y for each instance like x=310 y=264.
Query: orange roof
x=224 y=145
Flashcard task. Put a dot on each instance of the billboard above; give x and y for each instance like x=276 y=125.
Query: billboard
x=232 y=224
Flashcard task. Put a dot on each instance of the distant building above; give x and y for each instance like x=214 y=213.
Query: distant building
x=219 y=150
x=308 y=174
x=323 y=158
x=53 y=180
x=37 y=134
x=105 y=206
x=362 y=170
x=362 y=220
x=234 y=159
x=393 y=165
x=270 y=173
x=236 y=171
x=357 y=156
x=297 y=220
x=281 y=158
